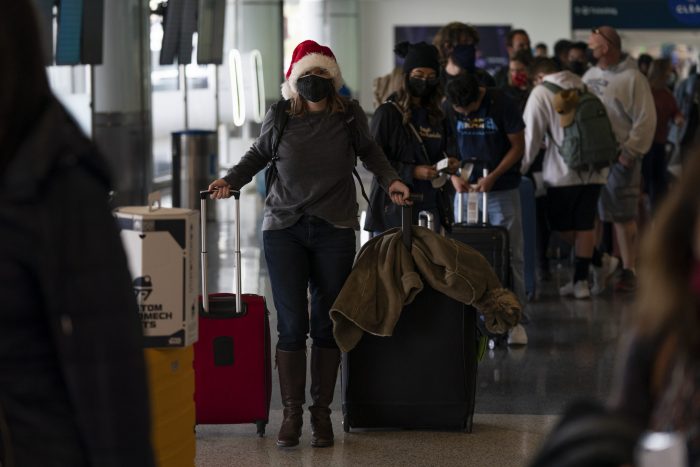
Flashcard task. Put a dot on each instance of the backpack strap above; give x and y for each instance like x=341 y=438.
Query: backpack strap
x=552 y=87
x=280 y=122
x=351 y=126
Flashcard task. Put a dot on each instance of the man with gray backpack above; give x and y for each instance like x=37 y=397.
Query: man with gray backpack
x=580 y=146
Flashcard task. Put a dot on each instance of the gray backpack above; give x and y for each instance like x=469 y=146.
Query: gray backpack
x=589 y=143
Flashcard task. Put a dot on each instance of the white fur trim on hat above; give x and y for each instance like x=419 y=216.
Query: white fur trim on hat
x=306 y=63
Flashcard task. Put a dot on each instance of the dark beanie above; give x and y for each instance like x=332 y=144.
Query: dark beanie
x=419 y=55
x=464 y=56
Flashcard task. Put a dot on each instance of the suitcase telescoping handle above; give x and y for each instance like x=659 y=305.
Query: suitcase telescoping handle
x=407 y=219
x=484 y=205
x=203 y=195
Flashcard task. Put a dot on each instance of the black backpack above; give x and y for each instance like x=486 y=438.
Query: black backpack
x=280 y=122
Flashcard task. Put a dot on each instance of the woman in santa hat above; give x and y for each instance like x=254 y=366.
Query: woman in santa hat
x=309 y=224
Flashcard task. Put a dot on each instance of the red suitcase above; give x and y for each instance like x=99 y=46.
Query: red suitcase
x=233 y=370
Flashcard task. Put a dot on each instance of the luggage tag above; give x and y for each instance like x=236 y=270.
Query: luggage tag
x=443 y=176
x=473 y=207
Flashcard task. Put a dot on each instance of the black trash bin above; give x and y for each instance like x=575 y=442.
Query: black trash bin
x=195 y=165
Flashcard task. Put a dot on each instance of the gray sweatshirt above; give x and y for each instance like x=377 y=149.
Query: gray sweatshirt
x=629 y=102
x=315 y=165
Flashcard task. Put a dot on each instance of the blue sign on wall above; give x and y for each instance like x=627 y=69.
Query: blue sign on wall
x=636 y=14
x=685 y=11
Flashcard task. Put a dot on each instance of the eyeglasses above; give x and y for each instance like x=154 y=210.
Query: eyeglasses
x=600 y=33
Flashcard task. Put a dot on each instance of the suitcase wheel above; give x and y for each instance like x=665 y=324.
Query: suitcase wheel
x=346 y=424
x=260 y=424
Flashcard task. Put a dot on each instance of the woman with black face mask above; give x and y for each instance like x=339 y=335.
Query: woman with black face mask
x=309 y=223
x=412 y=130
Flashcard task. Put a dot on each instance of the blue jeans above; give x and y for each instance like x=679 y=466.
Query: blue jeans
x=312 y=255
x=504 y=210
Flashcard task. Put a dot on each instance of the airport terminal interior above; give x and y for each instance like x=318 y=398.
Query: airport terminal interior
x=177 y=94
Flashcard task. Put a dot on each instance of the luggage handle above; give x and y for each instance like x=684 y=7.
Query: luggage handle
x=407 y=219
x=484 y=206
x=203 y=195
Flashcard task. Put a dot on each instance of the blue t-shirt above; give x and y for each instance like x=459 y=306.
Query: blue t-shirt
x=482 y=137
x=432 y=137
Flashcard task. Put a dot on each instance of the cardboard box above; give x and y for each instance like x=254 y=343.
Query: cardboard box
x=162 y=247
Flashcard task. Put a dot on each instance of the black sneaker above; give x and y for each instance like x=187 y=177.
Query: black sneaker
x=627 y=282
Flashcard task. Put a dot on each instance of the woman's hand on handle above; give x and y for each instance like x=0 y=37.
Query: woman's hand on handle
x=220 y=189
x=399 y=193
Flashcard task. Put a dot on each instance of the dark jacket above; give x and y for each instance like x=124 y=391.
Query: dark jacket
x=404 y=152
x=72 y=377
x=315 y=167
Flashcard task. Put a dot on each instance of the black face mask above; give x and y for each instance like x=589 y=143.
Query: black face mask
x=577 y=67
x=418 y=87
x=314 y=88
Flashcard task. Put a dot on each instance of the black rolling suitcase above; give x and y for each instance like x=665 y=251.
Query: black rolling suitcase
x=489 y=240
x=424 y=376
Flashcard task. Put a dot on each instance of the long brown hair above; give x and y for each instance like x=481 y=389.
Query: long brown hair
x=665 y=300
x=335 y=103
x=404 y=99
x=657 y=73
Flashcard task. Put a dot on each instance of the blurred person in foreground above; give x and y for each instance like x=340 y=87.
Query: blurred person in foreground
x=658 y=383
x=72 y=376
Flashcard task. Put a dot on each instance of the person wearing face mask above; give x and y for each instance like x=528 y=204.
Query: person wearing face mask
x=457 y=47
x=462 y=60
x=488 y=134
x=309 y=222
x=578 y=63
x=411 y=129
x=518 y=87
x=516 y=40
x=627 y=97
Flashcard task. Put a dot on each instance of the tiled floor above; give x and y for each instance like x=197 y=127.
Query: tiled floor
x=520 y=391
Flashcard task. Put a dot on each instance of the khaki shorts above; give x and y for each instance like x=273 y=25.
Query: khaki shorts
x=619 y=197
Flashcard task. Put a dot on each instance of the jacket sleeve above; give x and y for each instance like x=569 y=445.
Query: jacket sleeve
x=536 y=125
x=643 y=115
x=93 y=312
x=372 y=154
x=257 y=157
x=387 y=128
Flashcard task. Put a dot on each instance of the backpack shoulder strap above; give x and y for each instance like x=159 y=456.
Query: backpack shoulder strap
x=281 y=117
x=351 y=125
x=552 y=87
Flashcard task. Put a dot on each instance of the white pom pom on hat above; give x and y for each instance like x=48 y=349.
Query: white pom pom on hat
x=307 y=56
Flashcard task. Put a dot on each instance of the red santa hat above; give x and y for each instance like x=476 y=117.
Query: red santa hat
x=307 y=56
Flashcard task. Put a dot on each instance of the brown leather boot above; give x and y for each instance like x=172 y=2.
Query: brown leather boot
x=324 y=372
x=291 y=367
